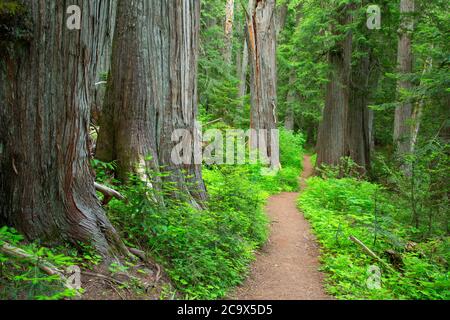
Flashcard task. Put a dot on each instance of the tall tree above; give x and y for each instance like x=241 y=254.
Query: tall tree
x=229 y=21
x=403 y=111
x=358 y=134
x=152 y=90
x=261 y=38
x=331 y=142
x=46 y=89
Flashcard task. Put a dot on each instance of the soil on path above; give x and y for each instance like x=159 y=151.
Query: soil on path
x=286 y=268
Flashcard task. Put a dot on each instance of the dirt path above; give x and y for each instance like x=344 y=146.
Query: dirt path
x=287 y=267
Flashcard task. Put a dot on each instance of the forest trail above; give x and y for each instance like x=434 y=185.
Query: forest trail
x=286 y=268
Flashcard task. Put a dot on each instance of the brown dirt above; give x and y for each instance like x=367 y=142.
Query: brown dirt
x=287 y=266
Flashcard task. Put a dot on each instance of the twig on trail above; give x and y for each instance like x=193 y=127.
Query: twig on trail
x=108 y=193
x=370 y=252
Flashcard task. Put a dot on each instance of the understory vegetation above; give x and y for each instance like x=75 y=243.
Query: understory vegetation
x=205 y=252
x=413 y=254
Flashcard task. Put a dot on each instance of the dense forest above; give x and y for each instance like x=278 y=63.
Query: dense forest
x=224 y=149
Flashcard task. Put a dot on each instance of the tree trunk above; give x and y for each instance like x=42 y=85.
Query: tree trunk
x=102 y=62
x=229 y=20
x=242 y=73
x=46 y=89
x=261 y=38
x=153 y=90
x=418 y=109
x=290 y=100
x=403 y=112
x=358 y=139
x=331 y=141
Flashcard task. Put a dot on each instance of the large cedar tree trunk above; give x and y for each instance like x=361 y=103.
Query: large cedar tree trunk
x=358 y=139
x=261 y=38
x=46 y=89
x=152 y=89
x=331 y=141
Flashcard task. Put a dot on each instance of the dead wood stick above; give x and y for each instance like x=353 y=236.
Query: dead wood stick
x=45 y=266
x=108 y=193
x=370 y=252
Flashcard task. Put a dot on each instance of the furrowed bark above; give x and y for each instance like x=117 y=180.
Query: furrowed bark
x=261 y=39
x=47 y=87
x=403 y=112
x=228 y=30
x=331 y=141
x=153 y=90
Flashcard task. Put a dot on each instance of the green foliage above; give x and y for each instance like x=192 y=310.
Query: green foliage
x=15 y=23
x=422 y=187
x=23 y=279
x=338 y=208
x=205 y=252
x=217 y=81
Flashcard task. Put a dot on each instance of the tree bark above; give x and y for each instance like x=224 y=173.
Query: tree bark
x=242 y=72
x=102 y=62
x=261 y=38
x=153 y=90
x=403 y=112
x=331 y=141
x=358 y=139
x=229 y=20
x=290 y=100
x=46 y=89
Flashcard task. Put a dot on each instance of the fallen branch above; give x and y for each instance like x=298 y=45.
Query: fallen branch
x=108 y=193
x=371 y=253
x=45 y=266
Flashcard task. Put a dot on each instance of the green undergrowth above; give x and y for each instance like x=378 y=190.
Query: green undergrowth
x=23 y=279
x=206 y=252
x=340 y=208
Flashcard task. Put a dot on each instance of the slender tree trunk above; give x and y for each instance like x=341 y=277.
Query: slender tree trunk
x=418 y=110
x=403 y=112
x=281 y=15
x=331 y=141
x=290 y=100
x=243 y=72
x=47 y=86
x=153 y=90
x=229 y=20
x=261 y=39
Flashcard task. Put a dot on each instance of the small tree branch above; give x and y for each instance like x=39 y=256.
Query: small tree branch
x=108 y=193
x=370 y=252
x=45 y=266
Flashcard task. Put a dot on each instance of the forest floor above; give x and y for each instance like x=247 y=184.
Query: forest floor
x=286 y=268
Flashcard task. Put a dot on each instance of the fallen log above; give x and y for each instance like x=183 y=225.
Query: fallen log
x=370 y=252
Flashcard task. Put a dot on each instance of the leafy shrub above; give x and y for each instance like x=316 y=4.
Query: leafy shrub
x=23 y=279
x=205 y=252
x=338 y=208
